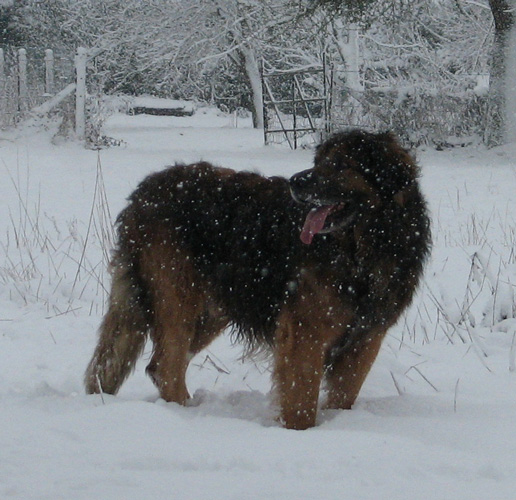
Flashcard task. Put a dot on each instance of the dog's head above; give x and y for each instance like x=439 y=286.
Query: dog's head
x=353 y=172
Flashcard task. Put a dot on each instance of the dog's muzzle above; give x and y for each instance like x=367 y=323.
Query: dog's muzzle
x=303 y=186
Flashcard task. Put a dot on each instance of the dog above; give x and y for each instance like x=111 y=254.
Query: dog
x=314 y=269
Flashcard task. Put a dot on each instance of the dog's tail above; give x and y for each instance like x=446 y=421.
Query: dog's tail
x=123 y=331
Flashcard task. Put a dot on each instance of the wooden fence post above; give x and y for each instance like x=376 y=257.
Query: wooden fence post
x=3 y=96
x=49 y=72
x=2 y=68
x=80 y=92
x=22 y=81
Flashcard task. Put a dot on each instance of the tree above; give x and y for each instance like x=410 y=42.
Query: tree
x=502 y=92
x=501 y=110
x=8 y=36
x=423 y=68
x=207 y=49
x=245 y=32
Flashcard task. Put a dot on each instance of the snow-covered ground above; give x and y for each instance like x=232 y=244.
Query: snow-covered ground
x=436 y=418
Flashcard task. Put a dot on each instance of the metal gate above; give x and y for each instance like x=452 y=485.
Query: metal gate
x=296 y=105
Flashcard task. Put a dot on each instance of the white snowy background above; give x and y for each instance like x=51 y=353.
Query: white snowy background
x=436 y=418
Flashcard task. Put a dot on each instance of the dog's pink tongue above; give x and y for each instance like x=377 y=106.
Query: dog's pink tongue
x=314 y=223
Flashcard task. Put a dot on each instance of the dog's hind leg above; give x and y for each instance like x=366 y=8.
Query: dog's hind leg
x=185 y=319
x=349 y=370
x=172 y=336
x=177 y=304
x=181 y=332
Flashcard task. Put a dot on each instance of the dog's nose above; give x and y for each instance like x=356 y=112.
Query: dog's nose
x=302 y=185
x=302 y=180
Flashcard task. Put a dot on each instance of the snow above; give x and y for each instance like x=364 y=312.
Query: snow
x=435 y=419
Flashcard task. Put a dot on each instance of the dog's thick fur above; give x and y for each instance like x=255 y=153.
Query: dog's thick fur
x=316 y=269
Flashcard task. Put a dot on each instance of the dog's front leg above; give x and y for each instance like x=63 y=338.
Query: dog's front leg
x=298 y=368
x=297 y=378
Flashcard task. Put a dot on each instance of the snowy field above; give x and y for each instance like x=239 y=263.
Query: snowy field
x=436 y=418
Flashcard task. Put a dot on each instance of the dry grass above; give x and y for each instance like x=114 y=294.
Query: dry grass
x=41 y=254
x=471 y=292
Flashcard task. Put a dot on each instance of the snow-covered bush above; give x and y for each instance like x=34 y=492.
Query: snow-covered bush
x=438 y=119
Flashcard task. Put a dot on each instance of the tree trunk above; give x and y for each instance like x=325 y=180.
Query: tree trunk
x=346 y=39
x=502 y=87
x=253 y=74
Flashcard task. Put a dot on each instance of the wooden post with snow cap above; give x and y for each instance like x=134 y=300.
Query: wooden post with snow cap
x=3 y=97
x=352 y=61
x=80 y=92
x=49 y=72
x=22 y=81
x=2 y=69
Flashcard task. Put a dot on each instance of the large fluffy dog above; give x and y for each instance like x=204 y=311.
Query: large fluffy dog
x=316 y=269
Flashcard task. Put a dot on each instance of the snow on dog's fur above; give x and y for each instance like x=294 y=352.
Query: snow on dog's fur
x=315 y=269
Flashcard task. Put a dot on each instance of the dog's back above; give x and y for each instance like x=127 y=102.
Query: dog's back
x=241 y=230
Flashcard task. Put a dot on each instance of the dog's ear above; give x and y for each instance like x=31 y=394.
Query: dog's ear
x=388 y=137
x=324 y=151
x=334 y=153
x=395 y=167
